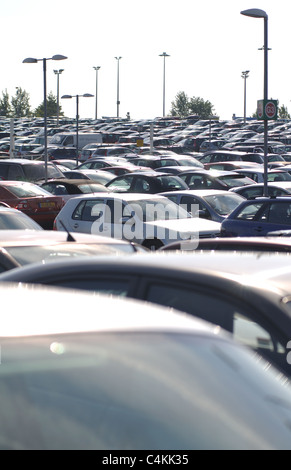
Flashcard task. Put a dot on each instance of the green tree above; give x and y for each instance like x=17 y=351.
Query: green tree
x=20 y=103
x=202 y=108
x=51 y=107
x=183 y=106
x=283 y=112
x=180 y=107
x=5 y=108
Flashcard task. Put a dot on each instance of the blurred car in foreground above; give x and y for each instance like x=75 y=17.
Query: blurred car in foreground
x=258 y=217
x=110 y=377
x=150 y=220
x=32 y=200
x=237 y=291
x=22 y=247
x=13 y=219
x=211 y=204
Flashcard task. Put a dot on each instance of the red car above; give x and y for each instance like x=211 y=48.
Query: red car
x=34 y=201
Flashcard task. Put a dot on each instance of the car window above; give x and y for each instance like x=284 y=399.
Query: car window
x=196 y=182
x=249 y=212
x=3 y=171
x=191 y=204
x=279 y=213
x=121 y=184
x=246 y=327
x=106 y=286
x=141 y=185
x=15 y=173
x=88 y=210
x=170 y=183
x=251 y=193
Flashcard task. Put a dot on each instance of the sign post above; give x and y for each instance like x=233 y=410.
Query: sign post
x=267 y=110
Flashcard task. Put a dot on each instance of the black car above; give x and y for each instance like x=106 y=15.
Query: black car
x=68 y=188
x=280 y=188
x=213 y=179
x=229 y=155
x=143 y=182
x=21 y=169
x=246 y=294
x=62 y=152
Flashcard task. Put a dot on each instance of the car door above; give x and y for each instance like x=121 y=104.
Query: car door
x=195 y=206
x=245 y=221
x=85 y=215
x=258 y=219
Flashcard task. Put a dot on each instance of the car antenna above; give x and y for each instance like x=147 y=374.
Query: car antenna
x=70 y=238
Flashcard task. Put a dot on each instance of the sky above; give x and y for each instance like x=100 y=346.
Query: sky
x=209 y=44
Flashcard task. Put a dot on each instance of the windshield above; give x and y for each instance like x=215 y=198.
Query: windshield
x=224 y=204
x=27 y=190
x=138 y=391
x=37 y=172
x=149 y=210
x=233 y=181
x=44 y=254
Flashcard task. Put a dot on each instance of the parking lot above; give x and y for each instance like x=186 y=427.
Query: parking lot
x=146 y=284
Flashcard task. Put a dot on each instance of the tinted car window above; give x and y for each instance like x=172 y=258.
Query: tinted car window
x=245 y=327
x=249 y=212
x=110 y=286
x=15 y=172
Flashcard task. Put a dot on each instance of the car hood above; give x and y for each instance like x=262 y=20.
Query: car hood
x=191 y=224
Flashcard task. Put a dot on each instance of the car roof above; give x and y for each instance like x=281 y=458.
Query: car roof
x=73 y=181
x=122 y=196
x=122 y=314
x=22 y=161
x=198 y=192
x=268 y=199
x=266 y=243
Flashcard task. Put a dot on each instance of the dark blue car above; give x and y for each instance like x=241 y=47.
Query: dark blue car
x=258 y=217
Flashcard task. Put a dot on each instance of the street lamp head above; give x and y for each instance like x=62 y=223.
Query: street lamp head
x=255 y=13
x=164 y=54
x=66 y=96
x=87 y=95
x=118 y=58
x=29 y=60
x=59 y=57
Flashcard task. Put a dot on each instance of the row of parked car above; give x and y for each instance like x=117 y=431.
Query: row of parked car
x=156 y=313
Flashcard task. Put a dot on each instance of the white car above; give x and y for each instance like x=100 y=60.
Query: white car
x=150 y=220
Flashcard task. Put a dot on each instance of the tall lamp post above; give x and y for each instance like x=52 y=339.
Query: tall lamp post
x=245 y=75
x=256 y=13
x=96 y=94
x=58 y=73
x=86 y=95
x=164 y=55
x=31 y=60
x=117 y=101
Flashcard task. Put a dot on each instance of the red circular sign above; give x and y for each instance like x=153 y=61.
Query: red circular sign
x=270 y=109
